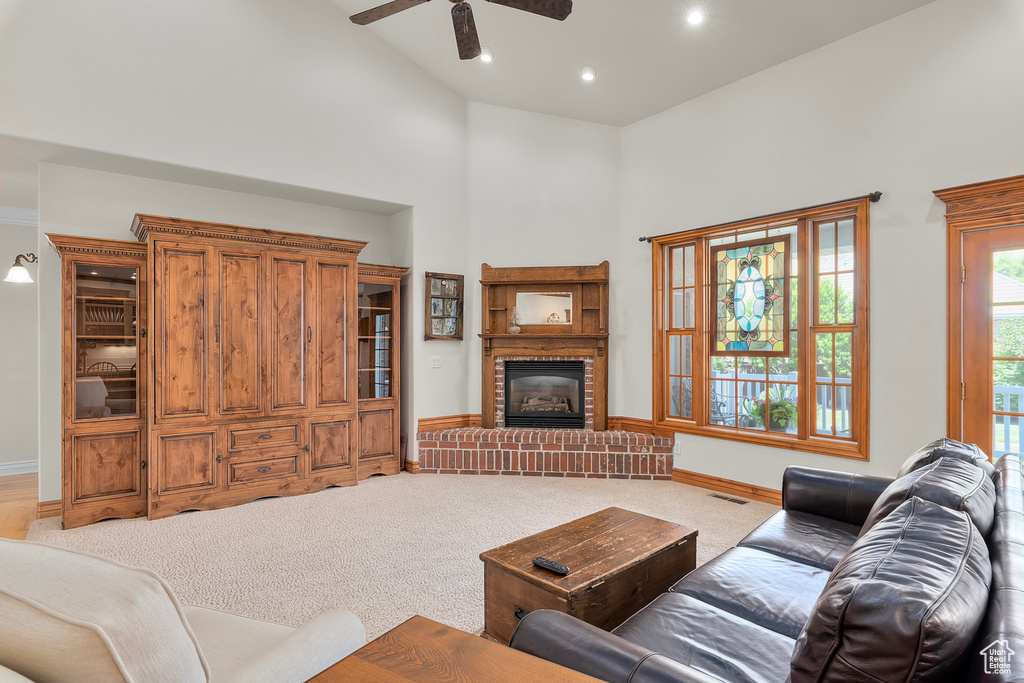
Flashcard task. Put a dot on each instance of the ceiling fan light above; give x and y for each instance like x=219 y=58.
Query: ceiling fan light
x=695 y=14
x=486 y=54
x=588 y=73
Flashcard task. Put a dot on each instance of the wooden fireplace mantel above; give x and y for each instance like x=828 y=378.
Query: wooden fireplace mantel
x=585 y=337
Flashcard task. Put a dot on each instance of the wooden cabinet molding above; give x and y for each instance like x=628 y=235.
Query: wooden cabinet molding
x=146 y=226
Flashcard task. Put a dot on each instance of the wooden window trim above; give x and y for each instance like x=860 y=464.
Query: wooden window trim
x=856 y=446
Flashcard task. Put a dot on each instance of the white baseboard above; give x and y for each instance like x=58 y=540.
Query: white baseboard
x=8 y=469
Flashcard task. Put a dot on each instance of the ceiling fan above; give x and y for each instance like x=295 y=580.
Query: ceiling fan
x=462 y=17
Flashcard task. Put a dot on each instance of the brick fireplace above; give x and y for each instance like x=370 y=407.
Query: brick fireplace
x=575 y=330
x=587 y=394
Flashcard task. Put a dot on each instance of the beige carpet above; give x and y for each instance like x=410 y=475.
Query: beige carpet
x=386 y=549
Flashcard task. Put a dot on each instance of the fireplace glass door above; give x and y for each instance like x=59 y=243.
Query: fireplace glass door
x=544 y=394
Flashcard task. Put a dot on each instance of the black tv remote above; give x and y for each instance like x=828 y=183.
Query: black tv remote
x=545 y=563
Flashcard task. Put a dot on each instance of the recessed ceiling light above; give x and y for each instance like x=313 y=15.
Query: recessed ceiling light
x=486 y=54
x=588 y=73
x=696 y=14
x=94 y=273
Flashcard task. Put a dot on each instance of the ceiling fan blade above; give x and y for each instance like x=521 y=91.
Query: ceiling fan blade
x=465 y=31
x=555 y=9
x=386 y=10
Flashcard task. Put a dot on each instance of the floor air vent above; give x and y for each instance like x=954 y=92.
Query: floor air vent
x=738 y=501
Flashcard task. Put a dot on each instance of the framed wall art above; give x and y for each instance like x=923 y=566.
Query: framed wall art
x=443 y=311
x=750 y=311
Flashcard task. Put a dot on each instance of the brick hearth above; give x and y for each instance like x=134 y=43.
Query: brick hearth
x=546 y=452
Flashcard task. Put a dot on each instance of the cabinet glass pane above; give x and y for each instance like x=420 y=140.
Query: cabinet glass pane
x=374 y=383
x=375 y=353
x=105 y=327
x=374 y=296
x=373 y=323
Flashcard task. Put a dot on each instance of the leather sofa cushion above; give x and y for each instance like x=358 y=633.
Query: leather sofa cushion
x=946 y=448
x=800 y=536
x=769 y=590
x=708 y=639
x=904 y=604
x=951 y=483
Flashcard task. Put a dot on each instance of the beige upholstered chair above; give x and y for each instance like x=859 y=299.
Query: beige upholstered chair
x=73 y=616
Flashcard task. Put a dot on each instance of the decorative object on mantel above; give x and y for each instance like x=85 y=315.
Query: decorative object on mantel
x=750 y=311
x=443 y=314
x=580 y=293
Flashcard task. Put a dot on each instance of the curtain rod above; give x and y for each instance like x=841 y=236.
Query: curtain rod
x=874 y=197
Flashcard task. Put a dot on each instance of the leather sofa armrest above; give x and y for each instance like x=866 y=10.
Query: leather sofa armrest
x=575 y=644
x=841 y=496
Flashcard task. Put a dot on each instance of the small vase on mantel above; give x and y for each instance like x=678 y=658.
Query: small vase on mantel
x=514 y=327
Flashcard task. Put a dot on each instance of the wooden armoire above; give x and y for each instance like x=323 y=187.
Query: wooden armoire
x=247 y=373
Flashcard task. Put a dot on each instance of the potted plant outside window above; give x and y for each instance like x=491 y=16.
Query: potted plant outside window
x=780 y=412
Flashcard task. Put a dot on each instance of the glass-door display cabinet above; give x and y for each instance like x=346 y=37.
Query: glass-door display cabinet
x=103 y=360
x=379 y=361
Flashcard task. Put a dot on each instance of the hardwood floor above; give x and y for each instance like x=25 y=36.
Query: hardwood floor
x=18 y=496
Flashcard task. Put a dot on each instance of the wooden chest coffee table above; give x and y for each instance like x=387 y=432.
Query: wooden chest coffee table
x=618 y=562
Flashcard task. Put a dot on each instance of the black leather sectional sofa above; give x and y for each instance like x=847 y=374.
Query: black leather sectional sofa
x=858 y=578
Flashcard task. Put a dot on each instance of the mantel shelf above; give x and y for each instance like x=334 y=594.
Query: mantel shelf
x=596 y=335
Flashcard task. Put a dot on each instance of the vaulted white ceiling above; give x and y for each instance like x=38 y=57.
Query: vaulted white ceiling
x=648 y=58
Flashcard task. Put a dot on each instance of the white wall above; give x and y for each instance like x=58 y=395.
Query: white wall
x=928 y=100
x=19 y=339
x=291 y=93
x=543 y=191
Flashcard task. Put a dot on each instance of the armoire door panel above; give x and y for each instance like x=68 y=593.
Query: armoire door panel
x=376 y=433
x=238 y=332
x=106 y=465
x=332 y=299
x=331 y=445
x=186 y=461
x=181 y=369
x=288 y=333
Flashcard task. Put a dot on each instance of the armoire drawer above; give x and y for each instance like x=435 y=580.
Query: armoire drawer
x=258 y=470
x=264 y=437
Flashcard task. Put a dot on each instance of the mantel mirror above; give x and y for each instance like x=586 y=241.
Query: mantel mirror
x=544 y=308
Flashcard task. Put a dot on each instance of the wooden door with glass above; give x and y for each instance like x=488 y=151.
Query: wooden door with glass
x=985 y=299
x=379 y=361
x=992 y=277
x=104 y=391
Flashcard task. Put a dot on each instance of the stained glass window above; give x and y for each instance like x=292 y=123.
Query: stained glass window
x=750 y=310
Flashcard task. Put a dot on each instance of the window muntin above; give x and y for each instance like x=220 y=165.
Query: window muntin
x=824 y=377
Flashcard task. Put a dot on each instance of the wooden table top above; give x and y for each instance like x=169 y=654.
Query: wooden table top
x=427 y=652
x=593 y=548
